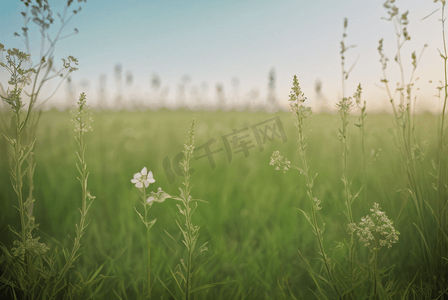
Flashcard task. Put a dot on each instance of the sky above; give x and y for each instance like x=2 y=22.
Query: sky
x=215 y=41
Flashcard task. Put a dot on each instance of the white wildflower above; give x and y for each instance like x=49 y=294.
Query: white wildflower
x=280 y=162
x=143 y=178
x=160 y=196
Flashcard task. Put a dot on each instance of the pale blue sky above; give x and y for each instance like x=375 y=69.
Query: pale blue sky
x=214 y=41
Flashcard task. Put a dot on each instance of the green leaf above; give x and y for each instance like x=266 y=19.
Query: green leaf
x=150 y=224
x=167 y=287
x=12 y=142
x=207 y=286
x=96 y=273
x=141 y=217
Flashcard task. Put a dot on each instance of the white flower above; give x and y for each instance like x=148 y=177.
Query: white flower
x=143 y=178
x=160 y=196
x=280 y=162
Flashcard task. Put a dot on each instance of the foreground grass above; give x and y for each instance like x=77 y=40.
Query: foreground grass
x=249 y=220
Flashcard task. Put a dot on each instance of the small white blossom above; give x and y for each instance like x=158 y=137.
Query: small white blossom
x=143 y=178
x=280 y=162
x=316 y=204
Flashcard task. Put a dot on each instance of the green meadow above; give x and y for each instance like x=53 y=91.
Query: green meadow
x=250 y=221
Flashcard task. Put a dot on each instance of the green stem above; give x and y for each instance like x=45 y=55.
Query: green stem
x=189 y=227
x=313 y=210
x=149 y=264
x=441 y=169
x=375 y=272
x=19 y=181
x=147 y=243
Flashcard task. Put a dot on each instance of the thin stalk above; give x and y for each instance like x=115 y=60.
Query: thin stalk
x=189 y=227
x=375 y=271
x=348 y=199
x=191 y=231
x=148 y=245
x=18 y=179
x=313 y=210
x=442 y=212
x=82 y=125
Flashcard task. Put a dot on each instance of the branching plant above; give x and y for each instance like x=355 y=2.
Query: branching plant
x=426 y=215
x=43 y=71
x=344 y=108
x=301 y=114
x=185 y=271
x=441 y=176
x=27 y=270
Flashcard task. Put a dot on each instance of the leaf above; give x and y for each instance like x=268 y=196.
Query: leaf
x=96 y=273
x=141 y=217
x=207 y=286
x=199 y=268
x=150 y=224
x=434 y=165
x=306 y=216
x=200 y=200
x=12 y=142
x=167 y=287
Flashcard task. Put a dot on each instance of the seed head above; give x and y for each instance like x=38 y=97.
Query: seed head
x=81 y=115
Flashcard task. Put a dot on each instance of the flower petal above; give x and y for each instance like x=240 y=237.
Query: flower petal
x=134 y=180
x=137 y=175
x=144 y=171
x=139 y=185
x=146 y=183
x=150 y=199
x=150 y=177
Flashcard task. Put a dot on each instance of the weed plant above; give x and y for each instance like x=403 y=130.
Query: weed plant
x=255 y=248
x=27 y=271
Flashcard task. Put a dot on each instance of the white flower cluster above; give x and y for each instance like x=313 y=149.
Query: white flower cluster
x=280 y=162
x=377 y=226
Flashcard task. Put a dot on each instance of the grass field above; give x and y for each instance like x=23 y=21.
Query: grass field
x=250 y=221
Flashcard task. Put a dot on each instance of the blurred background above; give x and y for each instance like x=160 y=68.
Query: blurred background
x=229 y=54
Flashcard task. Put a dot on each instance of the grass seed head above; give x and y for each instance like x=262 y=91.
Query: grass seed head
x=297 y=99
x=81 y=115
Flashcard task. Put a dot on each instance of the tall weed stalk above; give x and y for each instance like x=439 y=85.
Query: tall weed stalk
x=301 y=114
x=187 y=269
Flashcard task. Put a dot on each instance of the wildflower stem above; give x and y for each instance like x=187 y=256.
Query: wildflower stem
x=18 y=179
x=316 y=228
x=344 y=107
x=82 y=125
x=442 y=211
x=300 y=113
x=191 y=232
x=189 y=226
x=147 y=242
x=375 y=270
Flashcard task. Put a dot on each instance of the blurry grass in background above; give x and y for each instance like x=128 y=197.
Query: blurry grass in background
x=250 y=219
